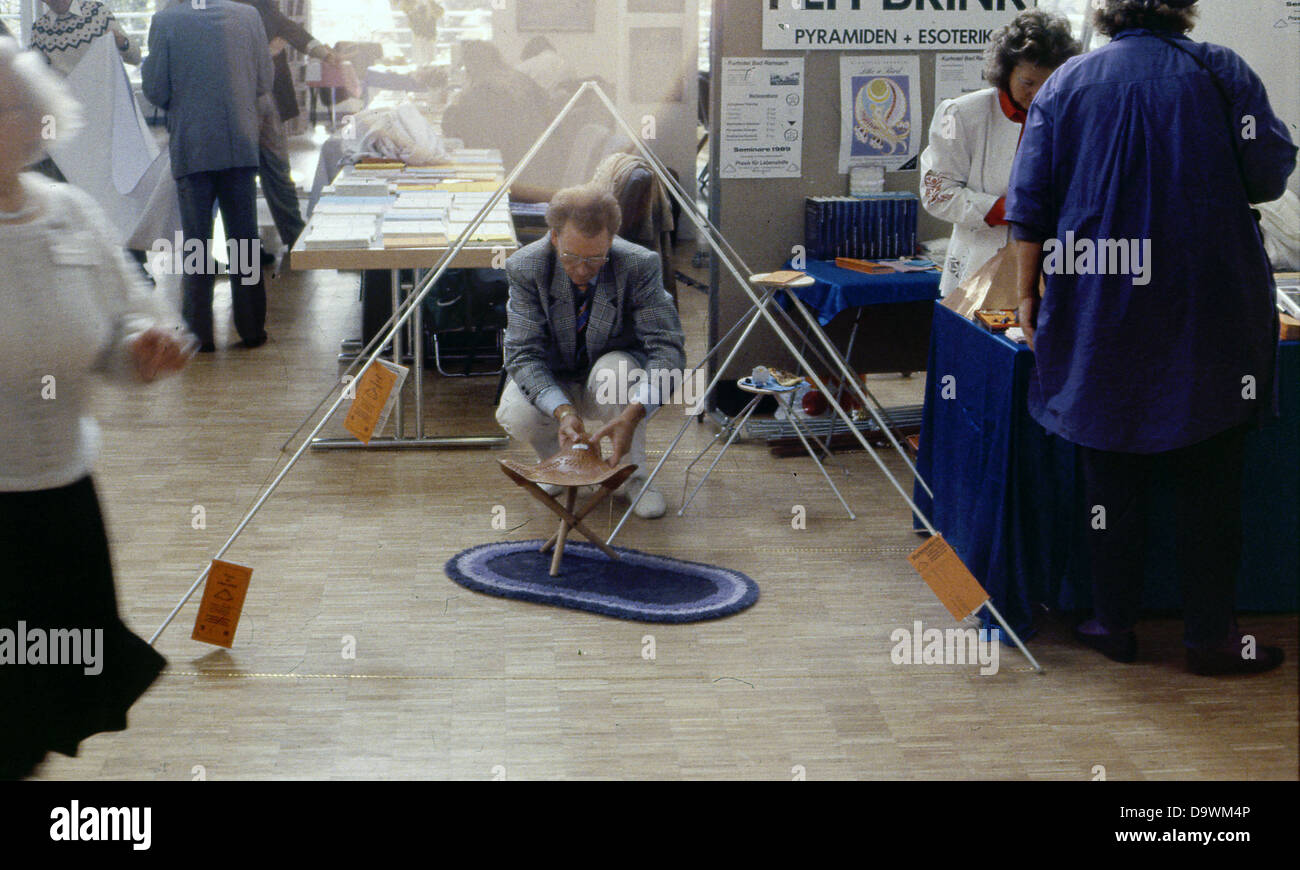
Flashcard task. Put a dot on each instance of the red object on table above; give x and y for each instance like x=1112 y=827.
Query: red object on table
x=814 y=403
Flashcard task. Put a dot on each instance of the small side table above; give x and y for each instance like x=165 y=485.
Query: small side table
x=784 y=396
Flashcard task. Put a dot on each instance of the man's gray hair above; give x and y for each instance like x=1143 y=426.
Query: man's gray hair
x=592 y=209
x=40 y=91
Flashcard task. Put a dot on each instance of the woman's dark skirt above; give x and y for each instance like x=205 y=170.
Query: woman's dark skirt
x=56 y=573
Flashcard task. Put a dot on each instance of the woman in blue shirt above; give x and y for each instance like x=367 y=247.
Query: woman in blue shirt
x=1156 y=334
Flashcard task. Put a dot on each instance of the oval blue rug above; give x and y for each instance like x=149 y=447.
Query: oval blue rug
x=640 y=586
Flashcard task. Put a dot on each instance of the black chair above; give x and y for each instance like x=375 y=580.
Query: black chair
x=464 y=320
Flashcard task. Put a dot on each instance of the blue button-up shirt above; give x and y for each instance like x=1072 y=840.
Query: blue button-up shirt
x=1131 y=149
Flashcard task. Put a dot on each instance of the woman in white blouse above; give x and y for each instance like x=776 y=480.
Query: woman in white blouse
x=70 y=307
x=967 y=164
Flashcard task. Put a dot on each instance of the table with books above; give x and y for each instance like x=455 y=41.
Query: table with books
x=860 y=252
x=1007 y=496
x=899 y=295
x=389 y=217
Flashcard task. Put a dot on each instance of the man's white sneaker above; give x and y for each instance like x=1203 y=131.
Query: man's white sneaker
x=652 y=504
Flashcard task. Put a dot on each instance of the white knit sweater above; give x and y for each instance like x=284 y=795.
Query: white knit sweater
x=69 y=305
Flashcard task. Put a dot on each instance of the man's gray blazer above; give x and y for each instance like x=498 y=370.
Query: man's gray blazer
x=631 y=312
x=207 y=66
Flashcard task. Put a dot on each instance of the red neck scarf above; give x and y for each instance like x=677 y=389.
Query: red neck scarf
x=1009 y=107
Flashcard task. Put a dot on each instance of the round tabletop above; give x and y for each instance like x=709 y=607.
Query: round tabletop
x=749 y=386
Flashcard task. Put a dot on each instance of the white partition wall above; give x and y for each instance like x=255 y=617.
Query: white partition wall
x=1266 y=33
x=648 y=50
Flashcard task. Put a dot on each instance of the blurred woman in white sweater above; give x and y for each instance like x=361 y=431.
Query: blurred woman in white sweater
x=70 y=308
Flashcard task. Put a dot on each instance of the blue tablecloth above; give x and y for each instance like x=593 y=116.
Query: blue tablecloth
x=1005 y=490
x=837 y=289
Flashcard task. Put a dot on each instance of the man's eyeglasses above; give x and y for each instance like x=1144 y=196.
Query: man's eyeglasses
x=573 y=260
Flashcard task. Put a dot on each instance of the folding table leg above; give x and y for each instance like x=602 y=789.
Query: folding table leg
x=735 y=430
x=798 y=430
x=725 y=430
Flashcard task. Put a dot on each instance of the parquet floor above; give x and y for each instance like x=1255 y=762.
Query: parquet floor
x=446 y=683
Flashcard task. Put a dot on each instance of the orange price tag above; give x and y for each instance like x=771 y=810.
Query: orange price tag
x=223 y=601
x=369 y=408
x=948 y=577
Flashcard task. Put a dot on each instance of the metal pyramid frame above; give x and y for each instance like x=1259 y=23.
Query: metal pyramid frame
x=726 y=254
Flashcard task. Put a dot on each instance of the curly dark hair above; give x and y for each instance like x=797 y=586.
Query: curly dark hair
x=1119 y=15
x=1036 y=36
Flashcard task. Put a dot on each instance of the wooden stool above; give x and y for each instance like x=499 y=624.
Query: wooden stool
x=578 y=466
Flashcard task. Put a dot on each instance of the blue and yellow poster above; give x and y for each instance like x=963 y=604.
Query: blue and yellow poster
x=880 y=112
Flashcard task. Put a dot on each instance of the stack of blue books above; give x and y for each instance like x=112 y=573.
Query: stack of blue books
x=878 y=226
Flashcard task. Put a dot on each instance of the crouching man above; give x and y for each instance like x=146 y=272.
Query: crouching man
x=581 y=302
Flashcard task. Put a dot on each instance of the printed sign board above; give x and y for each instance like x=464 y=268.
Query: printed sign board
x=886 y=25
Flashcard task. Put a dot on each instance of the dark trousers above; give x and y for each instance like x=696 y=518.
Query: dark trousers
x=1207 y=478
x=281 y=195
x=235 y=193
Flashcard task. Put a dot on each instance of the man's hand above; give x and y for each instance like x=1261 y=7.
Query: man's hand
x=572 y=431
x=620 y=431
x=157 y=352
x=1028 y=317
x=1029 y=271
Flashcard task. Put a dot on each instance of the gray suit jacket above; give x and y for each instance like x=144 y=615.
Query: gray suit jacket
x=206 y=67
x=631 y=311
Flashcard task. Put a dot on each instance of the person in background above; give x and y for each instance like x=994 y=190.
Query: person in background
x=278 y=108
x=134 y=194
x=64 y=33
x=544 y=65
x=1161 y=360
x=422 y=16
x=207 y=68
x=71 y=307
x=973 y=139
x=499 y=106
x=584 y=303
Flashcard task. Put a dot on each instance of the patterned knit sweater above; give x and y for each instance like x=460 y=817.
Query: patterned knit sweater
x=63 y=39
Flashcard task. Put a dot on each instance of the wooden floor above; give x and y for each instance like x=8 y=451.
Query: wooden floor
x=449 y=683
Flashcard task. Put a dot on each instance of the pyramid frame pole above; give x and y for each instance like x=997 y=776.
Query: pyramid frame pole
x=868 y=399
x=1014 y=637
x=405 y=311
x=836 y=359
x=753 y=315
x=761 y=309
